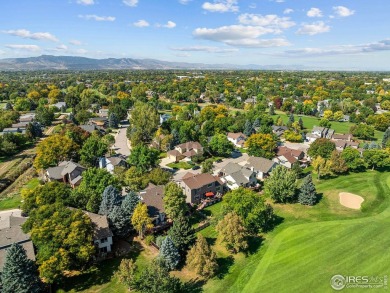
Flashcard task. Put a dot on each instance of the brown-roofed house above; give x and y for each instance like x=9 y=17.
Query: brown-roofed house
x=152 y=196
x=185 y=151
x=195 y=187
x=102 y=235
x=238 y=139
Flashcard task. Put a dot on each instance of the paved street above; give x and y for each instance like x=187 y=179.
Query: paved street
x=121 y=145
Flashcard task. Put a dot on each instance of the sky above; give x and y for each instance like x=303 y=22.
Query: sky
x=321 y=34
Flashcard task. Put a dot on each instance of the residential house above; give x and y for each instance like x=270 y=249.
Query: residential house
x=346 y=118
x=11 y=232
x=91 y=128
x=238 y=139
x=340 y=144
x=200 y=186
x=60 y=105
x=152 y=196
x=287 y=157
x=185 y=151
x=164 y=117
x=319 y=132
x=109 y=163
x=235 y=176
x=98 y=121
x=279 y=130
x=67 y=172
x=102 y=234
x=103 y=113
x=13 y=130
x=346 y=137
x=261 y=166
x=250 y=101
x=28 y=117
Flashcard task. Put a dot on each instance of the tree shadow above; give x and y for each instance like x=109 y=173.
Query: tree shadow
x=319 y=197
x=272 y=224
x=211 y=241
x=224 y=264
x=98 y=274
x=194 y=286
x=254 y=243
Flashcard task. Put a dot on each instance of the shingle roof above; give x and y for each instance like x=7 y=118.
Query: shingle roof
x=101 y=228
x=55 y=172
x=190 y=145
x=199 y=180
x=152 y=196
x=233 y=135
x=260 y=164
x=231 y=168
x=69 y=167
x=285 y=150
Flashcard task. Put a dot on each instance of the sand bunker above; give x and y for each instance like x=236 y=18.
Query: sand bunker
x=351 y=200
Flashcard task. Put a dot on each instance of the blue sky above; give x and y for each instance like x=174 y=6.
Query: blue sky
x=350 y=34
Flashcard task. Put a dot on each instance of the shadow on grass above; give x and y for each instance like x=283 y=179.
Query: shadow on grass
x=319 y=197
x=99 y=274
x=224 y=264
x=194 y=286
x=254 y=243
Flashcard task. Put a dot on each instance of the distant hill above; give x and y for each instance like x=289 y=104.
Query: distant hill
x=49 y=62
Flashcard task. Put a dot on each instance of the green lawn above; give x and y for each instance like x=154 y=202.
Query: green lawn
x=15 y=201
x=309 y=122
x=180 y=165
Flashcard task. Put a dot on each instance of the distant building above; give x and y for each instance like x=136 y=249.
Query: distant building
x=67 y=172
x=235 y=176
x=109 y=163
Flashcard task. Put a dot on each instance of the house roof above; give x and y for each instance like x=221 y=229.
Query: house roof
x=190 y=154
x=190 y=145
x=12 y=233
x=115 y=161
x=175 y=153
x=199 y=180
x=69 y=167
x=260 y=164
x=236 y=135
x=339 y=143
x=76 y=180
x=288 y=157
x=55 y=172
x=231 y=168
x=342 y=136
x=89 y=128
x=100 y=225
x=282 y=150
x=152 y=196
x=238 y=177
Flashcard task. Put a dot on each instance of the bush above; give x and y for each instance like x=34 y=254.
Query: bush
x=149 y=239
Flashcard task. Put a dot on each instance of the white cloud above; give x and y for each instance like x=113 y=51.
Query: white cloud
x=184 y=2
x=271 y=21
x=252 y=5
x=131 y=3
x=61 y=47
x=141 y=23
x=279 y=1
x=314 y=12
x=32 y=48
x=75 y=42
x=170 y=24
x=86 y=2
x=221 y=6
x=240 y=36
x=185 y=55
x=314 y=28
x=97 y=18
x=343 y=11
x=383 y=45
x=23 y=33
x=288 y=11
x=208 y=49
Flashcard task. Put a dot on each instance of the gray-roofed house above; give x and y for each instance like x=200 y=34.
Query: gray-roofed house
x=238 y=139
x=278 y=130
x=261 y=166
x=201 y=186
x=28 y=117
x=185 y=151
x=152 y=196
x=60 y=105
x=319 y=132
x=164 y=117
x=67 y=172
x=235 y=176
x=109 y=163
x=11 y=232
x=102 y=234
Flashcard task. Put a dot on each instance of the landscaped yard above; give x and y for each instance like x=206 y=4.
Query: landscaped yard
x=15 y=201
x=180 y=165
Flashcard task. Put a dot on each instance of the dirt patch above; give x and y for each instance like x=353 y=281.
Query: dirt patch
x=351 y=200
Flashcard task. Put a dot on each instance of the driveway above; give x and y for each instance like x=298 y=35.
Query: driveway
x=122 y=146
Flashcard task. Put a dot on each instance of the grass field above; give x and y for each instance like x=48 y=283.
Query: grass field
x=180 y=165
x=309 y=122
x=314 y=243
x=15 y=201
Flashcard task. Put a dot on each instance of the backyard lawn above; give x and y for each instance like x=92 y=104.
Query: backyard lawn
x=15 y=201
x=180 y=165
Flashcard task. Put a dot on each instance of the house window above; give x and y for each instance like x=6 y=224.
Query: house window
x=210 y=185
x=103 y=250
x=103 y=240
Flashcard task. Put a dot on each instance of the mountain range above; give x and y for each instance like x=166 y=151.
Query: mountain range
x=49 y=62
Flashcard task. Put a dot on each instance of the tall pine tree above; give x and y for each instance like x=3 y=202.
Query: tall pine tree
x=119 y=222
x=19 y=273
x=129 y=203
x=113 y=121
x=308 y=193
x=111 y=197
x=182 y=234
x=386 y=138
x=248 y=130
x=169 y=253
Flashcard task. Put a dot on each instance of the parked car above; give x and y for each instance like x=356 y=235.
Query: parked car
x=218 y=161
x=195 y=168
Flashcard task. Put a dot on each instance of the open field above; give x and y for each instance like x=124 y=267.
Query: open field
x=314 y=243
x=309 y=122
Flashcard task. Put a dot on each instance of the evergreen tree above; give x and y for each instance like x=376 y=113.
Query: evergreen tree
x=307 y=194
x=174 y=201
x=129 y=203
x=291 y=118
x=72 y=119
x=175 y=138
x=248 y=130
x=296 y=167
x=119 y=222
x=19 y=273
x=202 y=259
x=300 y=122
x=256 y=124
x=279 y=121
x=386 y=138
x=111 y=197
x=113 y=121
x=169 y=253
x=182 y=234
x=272 y=110
x=8 y=106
